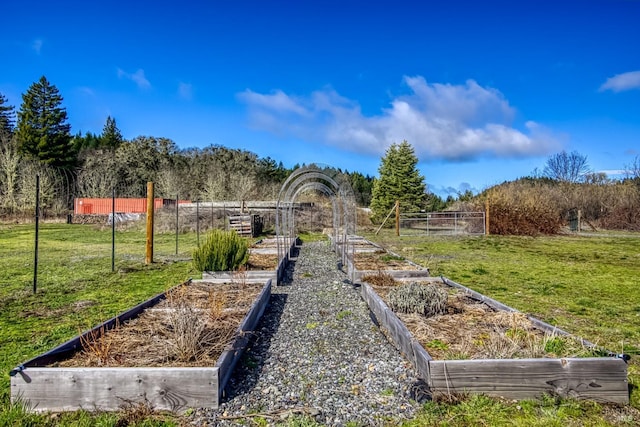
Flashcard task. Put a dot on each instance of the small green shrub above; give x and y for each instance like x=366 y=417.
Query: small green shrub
x=427 y=300
x=221 y=251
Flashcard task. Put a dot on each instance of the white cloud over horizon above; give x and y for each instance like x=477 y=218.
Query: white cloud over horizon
x=622 y=82
x=138 y=78
x=441 y=121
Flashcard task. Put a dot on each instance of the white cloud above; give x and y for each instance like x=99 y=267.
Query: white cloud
x=138 y=78
x=622 y=82
x=37 y=45
x=277 y=101
x=87 y=91
x=613 y=172
x=444 y=121
x=185 y=91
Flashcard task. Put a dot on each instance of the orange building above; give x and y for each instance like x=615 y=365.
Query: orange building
x=104 y=206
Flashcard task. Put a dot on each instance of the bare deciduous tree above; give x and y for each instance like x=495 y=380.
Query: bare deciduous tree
x=99 y=176
x=9 y=167
x=632 y=170
x=566 y=167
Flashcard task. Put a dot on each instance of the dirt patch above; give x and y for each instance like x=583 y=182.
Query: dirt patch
x=380 y=260
x=262 y=261
x=190 y=328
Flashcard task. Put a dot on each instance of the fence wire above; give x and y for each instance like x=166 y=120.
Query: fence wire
x=442 y=223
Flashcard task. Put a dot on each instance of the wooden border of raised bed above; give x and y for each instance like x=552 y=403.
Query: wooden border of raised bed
x=251 y=276
x=602 y=379
x=356 y=275
x=166 y=388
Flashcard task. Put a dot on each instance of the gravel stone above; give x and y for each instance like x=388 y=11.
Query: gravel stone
x=317 y=352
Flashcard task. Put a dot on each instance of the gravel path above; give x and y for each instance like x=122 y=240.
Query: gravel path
x=317 y=352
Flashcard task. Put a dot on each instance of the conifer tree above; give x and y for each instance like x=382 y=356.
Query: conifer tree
x=399 y=180
x=43 y=132
x=7 y=114
x=111 y=136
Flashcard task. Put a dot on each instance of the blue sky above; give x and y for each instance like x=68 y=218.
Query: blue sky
x=484 y=91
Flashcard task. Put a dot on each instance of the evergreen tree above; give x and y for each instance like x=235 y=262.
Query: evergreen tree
x=361 y=186
x=399 y=180
x=43 y=131
x=6 y=116
x=111 y=136
x=88 y=141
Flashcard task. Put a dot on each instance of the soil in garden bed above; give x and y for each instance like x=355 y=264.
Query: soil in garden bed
x=380 y=260
x=262 y=261
x=190 y=328
x=470 y=329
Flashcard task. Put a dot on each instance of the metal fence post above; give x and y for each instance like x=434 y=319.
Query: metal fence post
x=37 y=219
x=113 y=231
x=198 y=222
x=150 y=209
x=177 y=224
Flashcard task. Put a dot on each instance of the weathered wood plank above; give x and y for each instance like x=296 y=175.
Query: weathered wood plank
x=257 y=309
x=264 y=251
x=375 y=303
x=170 y=388
x=478 y=296
x=398 y=332
x=236 y=277
x=230 y=357
x=396 y=274
x=599 y=379
x=69 y=389
x=421 y=359
x=251 y=277
x=67 y=348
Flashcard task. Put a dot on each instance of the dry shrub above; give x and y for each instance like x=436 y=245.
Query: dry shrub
x=540 y=206
x=187 y=328
x=380 y=279
x=217 y=302
x=99 y=350
x=427 y=300
x=621 y=209
x=192 y=327
x=524 y=208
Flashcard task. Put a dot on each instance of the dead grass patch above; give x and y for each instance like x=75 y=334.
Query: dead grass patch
x=262 y=261
x=470 y=329
x=192 y=327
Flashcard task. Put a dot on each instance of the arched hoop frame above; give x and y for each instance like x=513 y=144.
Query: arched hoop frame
x=332 y=184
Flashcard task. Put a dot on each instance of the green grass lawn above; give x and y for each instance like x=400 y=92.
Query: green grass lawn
x=76 y=286
x=585 y=285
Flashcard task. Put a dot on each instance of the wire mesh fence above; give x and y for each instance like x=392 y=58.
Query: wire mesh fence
x=107 y=227
x=442 y=223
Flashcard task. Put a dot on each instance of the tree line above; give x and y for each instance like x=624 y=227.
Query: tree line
x=37 y=140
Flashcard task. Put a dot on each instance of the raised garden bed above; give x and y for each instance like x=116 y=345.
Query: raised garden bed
x=174 y=351
x=482 y=346
x=262 y=265
x=364 y=258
